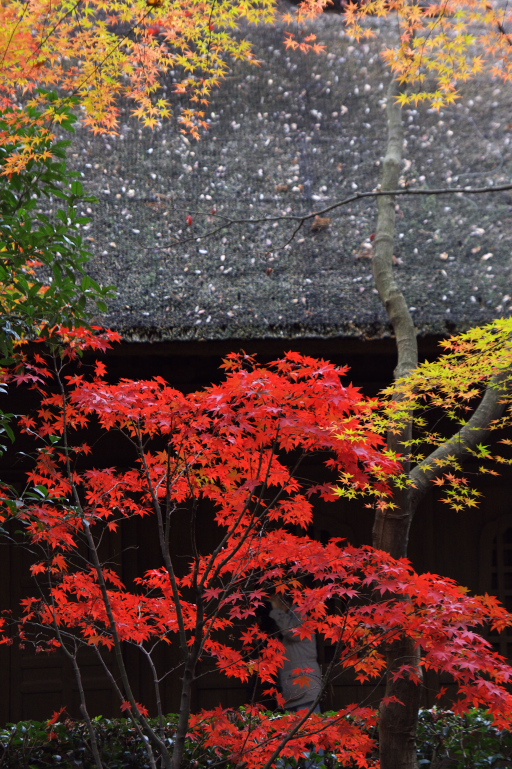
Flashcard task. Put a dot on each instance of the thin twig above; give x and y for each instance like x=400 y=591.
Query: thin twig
x=301 y=219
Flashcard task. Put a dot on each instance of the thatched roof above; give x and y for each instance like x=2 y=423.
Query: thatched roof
x=292 y=136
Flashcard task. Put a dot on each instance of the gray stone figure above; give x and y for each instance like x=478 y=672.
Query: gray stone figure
x=301 y=654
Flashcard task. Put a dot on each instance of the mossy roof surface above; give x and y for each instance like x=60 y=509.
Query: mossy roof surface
x=289 y=137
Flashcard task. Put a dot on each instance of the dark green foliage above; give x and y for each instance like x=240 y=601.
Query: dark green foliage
x=43 y=282
x=38 y=745
x=447 y=741
x=51 y=238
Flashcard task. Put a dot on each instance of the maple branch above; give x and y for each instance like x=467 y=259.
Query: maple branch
x=83 y=702
x=140 y=723
x=13 y=32
x=163 y=545
x=464 y=441
x=59 y=21
x=169 y=505
x=137 y=717
x=186 y=687
x=110 y=53
x=211 y=572
x=234 y=527
x=503 y=32
x=293 y=731
x=264 y=510
x=192 y=654
x=391 y=295
x=248 y=532
x=156 y=685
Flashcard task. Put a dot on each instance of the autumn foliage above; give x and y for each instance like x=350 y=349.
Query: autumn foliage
x=103 y=51
x=94 y=54
x=440 y=45
x=231 y=456
x=449 y=387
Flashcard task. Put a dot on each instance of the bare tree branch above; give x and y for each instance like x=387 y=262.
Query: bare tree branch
x=301 y=219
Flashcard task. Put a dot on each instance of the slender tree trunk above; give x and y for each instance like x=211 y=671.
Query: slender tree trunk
x=391 y=527
x=399 y=720
x=185 y=707
x=399 y=710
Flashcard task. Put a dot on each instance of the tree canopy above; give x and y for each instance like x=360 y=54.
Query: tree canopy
x=100 y=51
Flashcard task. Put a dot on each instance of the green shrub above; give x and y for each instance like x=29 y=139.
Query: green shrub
x=40 y=745
x=447 y=741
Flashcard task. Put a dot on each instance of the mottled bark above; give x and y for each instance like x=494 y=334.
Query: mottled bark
x=391 y=528
x=398 y=720
x=389 y=292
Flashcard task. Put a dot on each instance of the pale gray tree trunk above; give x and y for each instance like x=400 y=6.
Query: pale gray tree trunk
x=398 y=722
